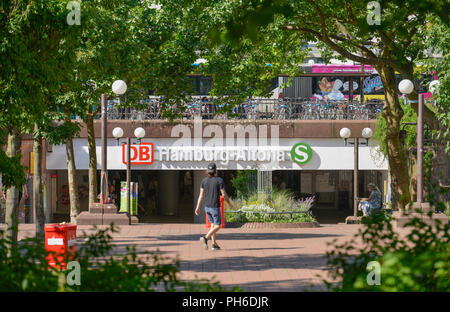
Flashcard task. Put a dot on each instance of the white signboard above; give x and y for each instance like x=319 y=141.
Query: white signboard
x=169 y=154
x=55 y=241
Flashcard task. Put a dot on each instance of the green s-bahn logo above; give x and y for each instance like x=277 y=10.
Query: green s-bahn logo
x=301 y=153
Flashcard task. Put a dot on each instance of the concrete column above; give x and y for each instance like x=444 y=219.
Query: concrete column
x=48 y=197
x=199 y=175
x=168 y=192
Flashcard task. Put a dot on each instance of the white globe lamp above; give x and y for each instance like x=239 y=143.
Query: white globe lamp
x=345 y=133
x=117 y=132
x=406 y=86
x=119 y=87
x=139 y=133
x=367 y=133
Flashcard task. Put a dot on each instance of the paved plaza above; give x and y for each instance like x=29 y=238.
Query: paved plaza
x=291 y=259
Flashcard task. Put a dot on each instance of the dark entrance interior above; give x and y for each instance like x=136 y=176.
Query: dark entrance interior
x=165 y=196
x=333 y=190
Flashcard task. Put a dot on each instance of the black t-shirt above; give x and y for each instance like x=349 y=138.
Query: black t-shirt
x=212 y=187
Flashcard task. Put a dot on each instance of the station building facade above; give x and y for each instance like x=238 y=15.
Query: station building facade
x=308 y=157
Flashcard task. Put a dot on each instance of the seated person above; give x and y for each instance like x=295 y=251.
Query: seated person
x=373 y=202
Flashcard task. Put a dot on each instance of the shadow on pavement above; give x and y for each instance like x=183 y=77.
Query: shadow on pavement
x=222 y=235
x=252 y=263
x=297 y=285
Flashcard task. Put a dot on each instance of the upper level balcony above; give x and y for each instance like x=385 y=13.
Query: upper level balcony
x=254 y=109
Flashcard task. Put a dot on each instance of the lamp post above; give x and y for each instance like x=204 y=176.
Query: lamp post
x=406 y=87
x=345 y=134
x=139 y=134
x=119 y=87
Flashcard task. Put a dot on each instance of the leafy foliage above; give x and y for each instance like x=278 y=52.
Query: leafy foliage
x=25 y=268
x=36 y=48
x=12 y=172
x=240 y=183
x=258 y=213
x=438 y=38
x=397 y=43
x=264 y=208
x=418 y=261
x=409 y=140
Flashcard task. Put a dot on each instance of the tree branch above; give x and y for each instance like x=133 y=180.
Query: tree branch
x=324 y=37
x=362 y=49
x=339 y=49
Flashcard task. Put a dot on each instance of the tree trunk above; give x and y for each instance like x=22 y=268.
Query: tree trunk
x=92 y=160
x=12 y=193
x=393 y=114
x=73 y=181
x=38 y=191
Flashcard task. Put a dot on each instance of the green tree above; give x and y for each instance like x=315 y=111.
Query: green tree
x=109 y=47
x=351 y=29
x=416 y=261
x=36 y=51
x=438 y=39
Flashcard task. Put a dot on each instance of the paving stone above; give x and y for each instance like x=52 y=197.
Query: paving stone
x=258 y=259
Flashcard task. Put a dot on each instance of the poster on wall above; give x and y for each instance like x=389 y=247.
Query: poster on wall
x=133 y=197
x=333 y=88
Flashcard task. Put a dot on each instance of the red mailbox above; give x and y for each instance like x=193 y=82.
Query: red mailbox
x=60 y=239
x=222 y=216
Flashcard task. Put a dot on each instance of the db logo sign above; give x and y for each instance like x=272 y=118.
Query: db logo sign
x=140 y=154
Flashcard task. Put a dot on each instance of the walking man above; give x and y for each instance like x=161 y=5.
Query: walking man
x=211 y=188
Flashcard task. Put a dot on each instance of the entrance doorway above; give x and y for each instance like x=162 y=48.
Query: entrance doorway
x=164 y=196
x=332 y=189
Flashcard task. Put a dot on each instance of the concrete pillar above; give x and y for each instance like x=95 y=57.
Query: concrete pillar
x=199 y=175
x=168 y=192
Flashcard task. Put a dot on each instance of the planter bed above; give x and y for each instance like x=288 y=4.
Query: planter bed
x=271 y=225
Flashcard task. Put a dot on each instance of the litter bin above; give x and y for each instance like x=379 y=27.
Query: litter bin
x=222 y=216
x=60 y=242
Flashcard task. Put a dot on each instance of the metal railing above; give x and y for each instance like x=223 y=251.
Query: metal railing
x=255 y=109
x=308 y=212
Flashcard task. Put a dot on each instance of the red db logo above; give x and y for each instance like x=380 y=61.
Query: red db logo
x=140 y=154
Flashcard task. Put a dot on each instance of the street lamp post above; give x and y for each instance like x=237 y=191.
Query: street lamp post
x=128 y=177
x=139 y=133
x=104 y=174
x=119 y=87
x=103 y=213
x=345 y=134
x=406 y=87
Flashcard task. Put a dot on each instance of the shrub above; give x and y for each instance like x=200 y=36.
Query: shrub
x=261 y=208
x=240 y=183
x=417 y=262
x=23 y=267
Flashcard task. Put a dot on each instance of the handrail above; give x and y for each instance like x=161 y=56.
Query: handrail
x=274 y=212
x=277 y=109
x=265 y=212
